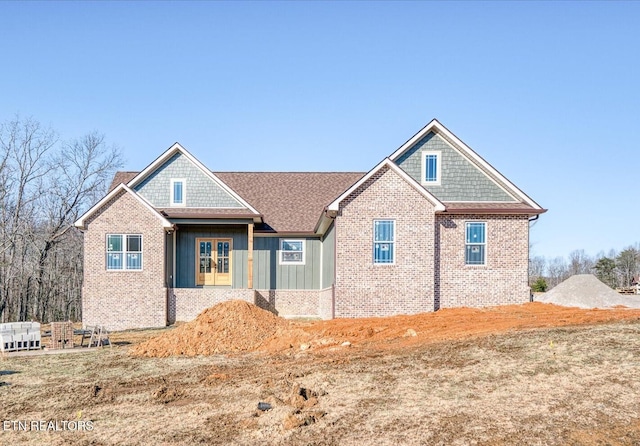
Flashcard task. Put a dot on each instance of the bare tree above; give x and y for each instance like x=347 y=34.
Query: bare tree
x=537 y=267
x=557 y=270
x=580 y=262
x=628 y=264
x=44 y=186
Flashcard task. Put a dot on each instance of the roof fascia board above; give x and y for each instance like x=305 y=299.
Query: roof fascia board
x=178 y=148
x=287 y=234
x=496 y=211
x=439 y=207
x=438 y=128
x=80 y=223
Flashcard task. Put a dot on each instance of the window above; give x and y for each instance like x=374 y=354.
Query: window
x=384 y=241
x=292 y=252
x=475 y=243
x=431 y=167
x=124 y=252
x=178 y=192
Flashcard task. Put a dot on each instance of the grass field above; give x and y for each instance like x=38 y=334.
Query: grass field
x=575 y=385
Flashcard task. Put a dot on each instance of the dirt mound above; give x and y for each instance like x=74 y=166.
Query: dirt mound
x=445 y=324
x=586 y=291
x=238 y=326
x=228 y=327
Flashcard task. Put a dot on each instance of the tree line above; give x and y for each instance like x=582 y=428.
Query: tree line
x=46 y=183
x=615 y=269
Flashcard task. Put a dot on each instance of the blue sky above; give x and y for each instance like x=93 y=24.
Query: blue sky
x=547 y=92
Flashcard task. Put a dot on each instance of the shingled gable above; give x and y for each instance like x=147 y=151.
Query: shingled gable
x=177 y=148
x=80 y=223
x=438 y=205
x=530 y=206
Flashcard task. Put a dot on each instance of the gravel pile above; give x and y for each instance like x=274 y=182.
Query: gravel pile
x=586 y=291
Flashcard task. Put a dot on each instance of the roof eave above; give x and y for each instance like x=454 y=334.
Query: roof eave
x=80 y=222
x=438 y=205
x=494 y=211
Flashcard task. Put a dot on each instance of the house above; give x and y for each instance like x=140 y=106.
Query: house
x=431 y=226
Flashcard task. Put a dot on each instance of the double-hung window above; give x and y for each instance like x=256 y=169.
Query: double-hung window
x=292 y=252
x=475 y=243
x=178 y=192
x=124 y=252
x=384 y=238
x=431 y=167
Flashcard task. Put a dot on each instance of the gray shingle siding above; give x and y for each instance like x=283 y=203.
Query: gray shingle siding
x=200 y=190
x=461 y=179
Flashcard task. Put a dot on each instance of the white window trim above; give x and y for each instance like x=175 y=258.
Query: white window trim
x=373 y=244
x=124 y=253
x=423 y=168
x=184 y=192
x=282 y=251
x=485 y=244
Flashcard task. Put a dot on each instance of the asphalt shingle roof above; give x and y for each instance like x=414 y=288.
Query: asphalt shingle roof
x=288 y=201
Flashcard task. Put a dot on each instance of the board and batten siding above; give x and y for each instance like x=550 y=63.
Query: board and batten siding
x=186 y=253
x=461 y=179
x=268 y=274
x=328 y=257
x=200 y=190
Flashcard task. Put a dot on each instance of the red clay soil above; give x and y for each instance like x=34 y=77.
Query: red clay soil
x=233 y=326
x=237 y=326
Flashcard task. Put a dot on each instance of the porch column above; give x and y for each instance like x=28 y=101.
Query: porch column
x=250 y=256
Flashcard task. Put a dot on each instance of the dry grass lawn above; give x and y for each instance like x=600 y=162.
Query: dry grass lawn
x=575 y=385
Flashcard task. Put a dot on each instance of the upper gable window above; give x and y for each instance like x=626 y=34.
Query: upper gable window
x=431 y=167
x=178 y=192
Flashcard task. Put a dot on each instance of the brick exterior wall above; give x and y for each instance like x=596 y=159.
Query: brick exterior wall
x=124 y=299
x=186 y=303
x=504 y=277
x=363 y=289
x=289 y=303
x=326 y=304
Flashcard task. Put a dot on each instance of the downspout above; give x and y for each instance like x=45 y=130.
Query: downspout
x=173 y=266
x=531 y=220
x=335 y=267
